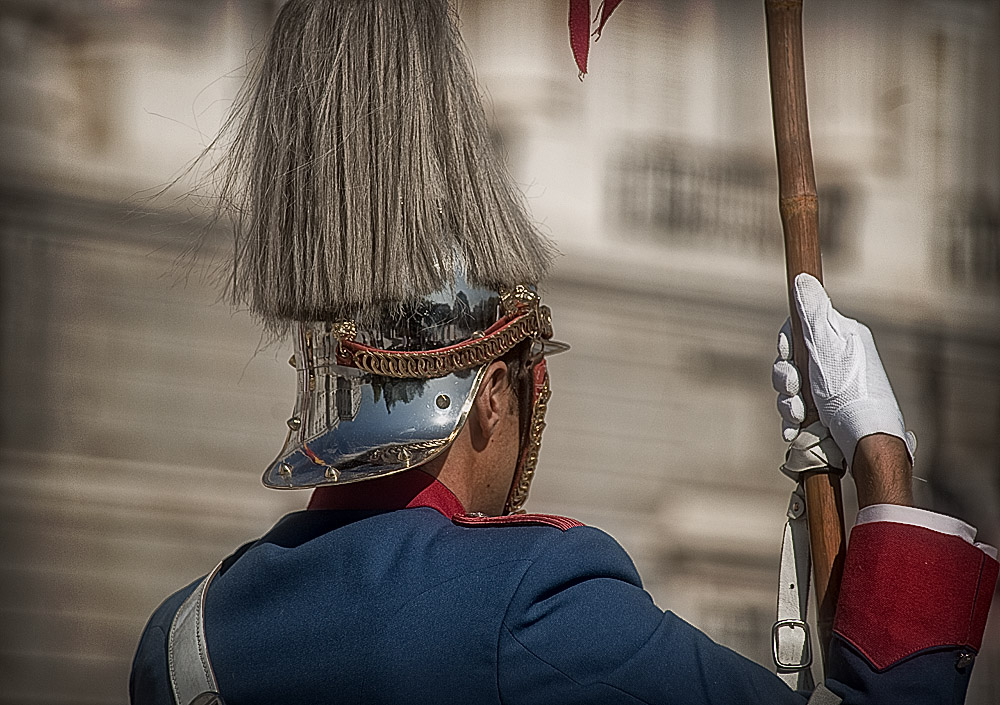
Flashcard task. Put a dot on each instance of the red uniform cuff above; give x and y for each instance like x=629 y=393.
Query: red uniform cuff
x=907 y=588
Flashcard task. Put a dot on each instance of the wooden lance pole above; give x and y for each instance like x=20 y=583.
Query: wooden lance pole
x=800 y=223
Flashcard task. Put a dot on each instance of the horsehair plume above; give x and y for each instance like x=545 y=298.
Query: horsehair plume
x=359 y=164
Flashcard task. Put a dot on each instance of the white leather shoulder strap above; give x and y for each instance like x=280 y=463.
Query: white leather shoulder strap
x=824 y=696
x=790 y=639
x=812 y=450
x=191 y=677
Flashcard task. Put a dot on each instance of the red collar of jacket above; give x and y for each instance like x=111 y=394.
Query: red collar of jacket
x=403 y=490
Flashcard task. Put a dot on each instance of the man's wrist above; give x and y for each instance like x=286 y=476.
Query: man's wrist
x=882 y=471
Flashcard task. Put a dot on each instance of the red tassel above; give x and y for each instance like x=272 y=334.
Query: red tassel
x=579 y=32
x=607 y=7
x=579 y=28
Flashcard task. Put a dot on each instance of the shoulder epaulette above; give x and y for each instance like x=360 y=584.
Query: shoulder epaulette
x=561 y=523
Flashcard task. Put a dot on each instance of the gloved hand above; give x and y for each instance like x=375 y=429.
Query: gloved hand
x=849 y=385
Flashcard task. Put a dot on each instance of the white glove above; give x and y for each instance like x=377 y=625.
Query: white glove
x=849 y=385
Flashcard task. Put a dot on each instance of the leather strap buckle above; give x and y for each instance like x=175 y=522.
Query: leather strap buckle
x=806 y=660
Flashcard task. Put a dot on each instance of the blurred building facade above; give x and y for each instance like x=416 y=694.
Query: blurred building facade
x=139 y=411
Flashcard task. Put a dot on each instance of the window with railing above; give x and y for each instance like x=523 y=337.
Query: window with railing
x=678 y=194
x=972 y=230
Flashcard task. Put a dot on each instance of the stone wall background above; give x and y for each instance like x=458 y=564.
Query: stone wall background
x=139 y=411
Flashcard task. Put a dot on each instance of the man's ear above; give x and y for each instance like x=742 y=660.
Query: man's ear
x=491 y=402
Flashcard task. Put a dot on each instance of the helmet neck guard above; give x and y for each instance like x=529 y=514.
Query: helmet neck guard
x=375 y=401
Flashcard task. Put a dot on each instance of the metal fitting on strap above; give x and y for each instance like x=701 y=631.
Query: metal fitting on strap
x=813 y=450
x=803 y=646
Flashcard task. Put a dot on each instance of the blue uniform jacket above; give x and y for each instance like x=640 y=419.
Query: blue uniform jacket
x=363 y=603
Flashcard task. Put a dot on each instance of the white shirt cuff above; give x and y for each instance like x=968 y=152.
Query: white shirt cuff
x=921 y=517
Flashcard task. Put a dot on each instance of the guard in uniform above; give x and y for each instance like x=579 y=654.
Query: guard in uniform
x=375 y=224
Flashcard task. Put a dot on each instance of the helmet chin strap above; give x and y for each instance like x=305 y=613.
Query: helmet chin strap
x=531 y=441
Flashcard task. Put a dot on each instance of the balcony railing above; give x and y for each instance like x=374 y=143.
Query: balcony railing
x=679 y=194
x=972 y=231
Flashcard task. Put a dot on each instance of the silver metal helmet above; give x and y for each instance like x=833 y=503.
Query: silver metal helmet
x=375 y=401
x=355 y=214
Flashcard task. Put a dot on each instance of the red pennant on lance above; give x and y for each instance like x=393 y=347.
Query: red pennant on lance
x=579 y=28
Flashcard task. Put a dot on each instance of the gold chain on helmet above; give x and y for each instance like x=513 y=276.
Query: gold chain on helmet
x=526 y=319
x=519 y=492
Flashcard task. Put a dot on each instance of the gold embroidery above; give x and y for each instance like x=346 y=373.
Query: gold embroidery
x=529 y=319
x=519 y=493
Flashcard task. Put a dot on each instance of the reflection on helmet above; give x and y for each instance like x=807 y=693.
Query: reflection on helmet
x=352 y=424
